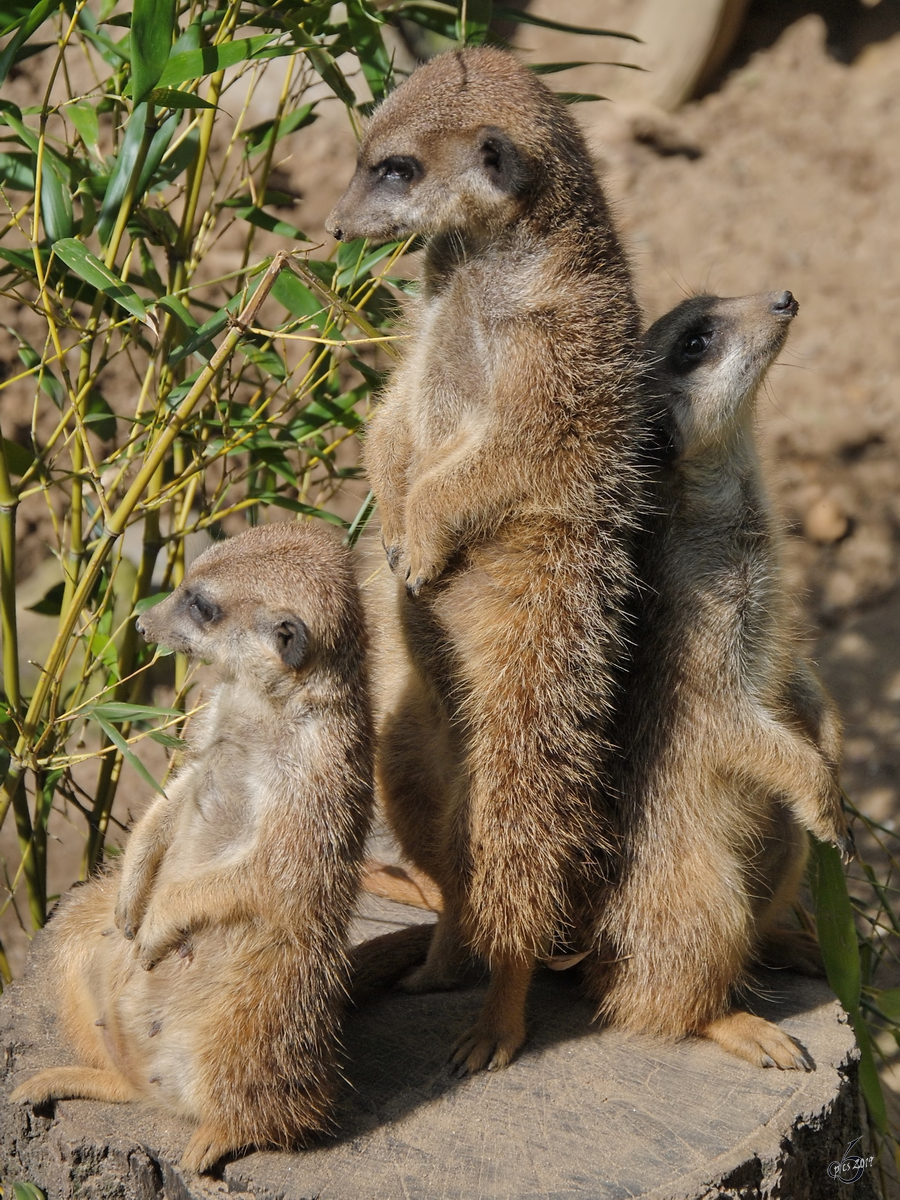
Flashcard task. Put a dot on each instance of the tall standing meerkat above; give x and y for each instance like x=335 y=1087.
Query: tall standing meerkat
x=208 y=976
x=730 y=747
x=503 y=460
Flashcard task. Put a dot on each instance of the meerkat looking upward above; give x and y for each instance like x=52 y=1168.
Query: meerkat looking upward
x=208 y=975
x=729 y=744
x=504 y=461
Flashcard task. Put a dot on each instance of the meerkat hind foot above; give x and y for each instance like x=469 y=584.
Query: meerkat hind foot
x=792 y=950
x=73 y=1083
x=205 y=1148
x=758 y=1041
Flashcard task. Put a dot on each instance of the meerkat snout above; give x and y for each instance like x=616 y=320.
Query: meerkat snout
x=786 y=304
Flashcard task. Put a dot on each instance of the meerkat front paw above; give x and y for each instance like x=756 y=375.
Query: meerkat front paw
x=487 y=1046
x=128 y=917
x=423 y=568
x=156 y=939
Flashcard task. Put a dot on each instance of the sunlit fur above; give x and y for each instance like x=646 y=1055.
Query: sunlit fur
x=222 y=1001
x=729 y=743
x=504 y=460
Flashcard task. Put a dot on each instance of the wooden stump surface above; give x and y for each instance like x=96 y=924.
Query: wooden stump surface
x=584 y=1112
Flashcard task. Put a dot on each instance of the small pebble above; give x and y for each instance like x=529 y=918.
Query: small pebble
x=825 y=522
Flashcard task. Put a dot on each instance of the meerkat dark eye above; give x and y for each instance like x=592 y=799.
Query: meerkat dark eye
x=399 y=168
x=694 y=345
x=203 y=611
x=691 y=348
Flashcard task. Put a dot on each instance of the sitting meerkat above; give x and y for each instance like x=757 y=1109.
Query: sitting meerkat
x=730 y=746
x=208 y=975
x=504 y=460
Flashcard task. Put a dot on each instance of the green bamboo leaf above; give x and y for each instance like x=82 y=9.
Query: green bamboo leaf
x=115 y=53
x=128 y=754
x=56 y=205
x=170 y=98
x=834 y=922
x=17 y=171
x=554 y=68
x=478 y=18
x=324 y=64
x=152 y=25
x=364 y=25
x=124 y=165
x=36 y=17
x=50 y=604
x=103 y=650
x=887 y=1002
x=19 y=259
x=578 y=97
x=264 y=220
x=18 y=458
x=295 y=296
x=260 y=137
x=295 y=506
x=189 y=40
x=89 y=268
x=356 y=265
x=194 y=64
x=14 y=12
x=28 y=1191
x=167 y=740
x=840 y=951
x=173 y=164
x=149 y=273
x=100 y=417
x=269 y=361
x=201 y=342
x=11 y=115
x=149 y=602
x=361 y=520
x=48 y=381
x=171 y=304
x=526 y=18
x=84 y=117
x=433 y=16
x=118 y=710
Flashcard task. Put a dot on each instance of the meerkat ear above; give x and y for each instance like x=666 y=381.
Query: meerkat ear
x=502 y=160
x=291 y=639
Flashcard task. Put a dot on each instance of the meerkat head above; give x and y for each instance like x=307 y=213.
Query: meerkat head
x=459 y=147
x=267 y=606
x=708 y=357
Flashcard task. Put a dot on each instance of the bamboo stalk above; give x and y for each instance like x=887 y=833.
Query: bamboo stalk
x=9 y=502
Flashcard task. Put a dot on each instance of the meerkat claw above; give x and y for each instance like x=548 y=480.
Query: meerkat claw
x=847 y=847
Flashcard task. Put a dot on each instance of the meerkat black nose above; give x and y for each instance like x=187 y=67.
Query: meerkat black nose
x=786 y=304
